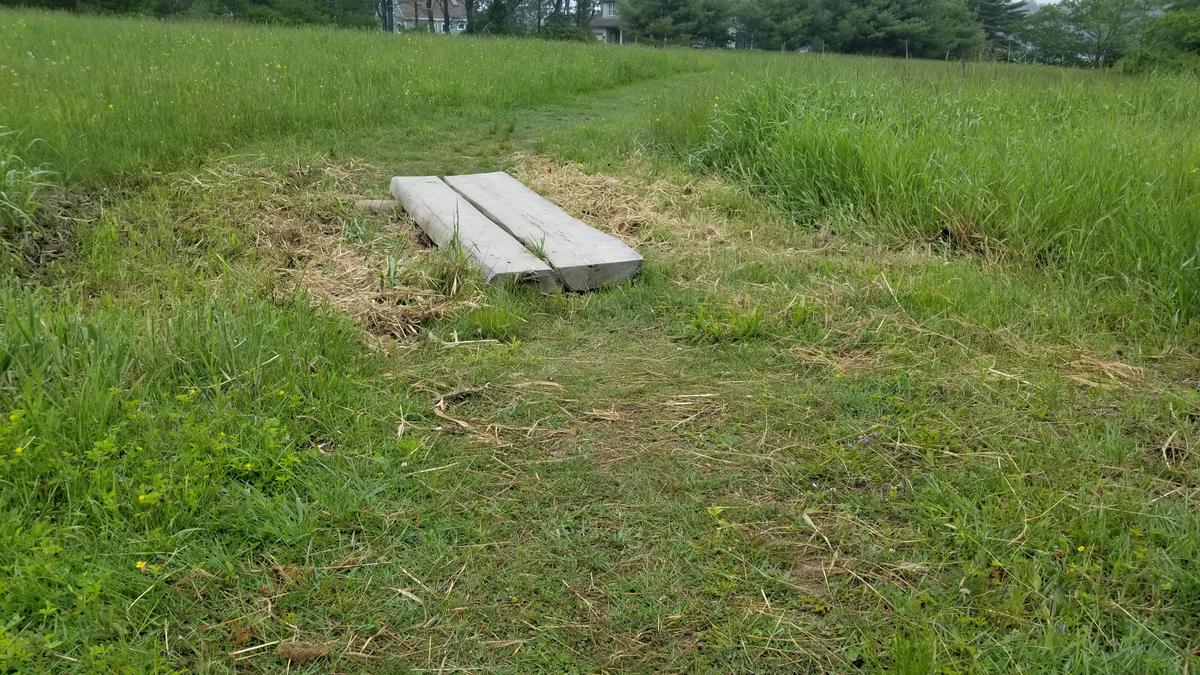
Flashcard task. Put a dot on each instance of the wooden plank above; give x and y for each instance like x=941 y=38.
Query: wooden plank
x=583 y=256
x=442 y=214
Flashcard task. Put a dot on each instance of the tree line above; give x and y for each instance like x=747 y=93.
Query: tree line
x=1134 y=34
x=1139 y=34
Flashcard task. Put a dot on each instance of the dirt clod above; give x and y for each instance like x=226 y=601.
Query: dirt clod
x=302 y=652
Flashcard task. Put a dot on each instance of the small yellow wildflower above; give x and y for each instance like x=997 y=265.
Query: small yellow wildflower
x=837 y=376
x=1081 y=549
x=18 y=450
x=141 y=565
x=141 y=498
x=279 y=66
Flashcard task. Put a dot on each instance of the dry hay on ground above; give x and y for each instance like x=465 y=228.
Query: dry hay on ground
x=349 y=279
x=300 y=217
x=625 y=207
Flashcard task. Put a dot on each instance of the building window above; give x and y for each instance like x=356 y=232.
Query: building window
x=608 y=9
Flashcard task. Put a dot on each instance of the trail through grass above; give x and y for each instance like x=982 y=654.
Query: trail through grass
x=118 y=96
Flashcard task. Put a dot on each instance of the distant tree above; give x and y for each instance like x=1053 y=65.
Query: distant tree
x=584 y=11
x=499 y=17
x=385 y=10
x=680 y=22
x=1109 y=27
x=1087 y=32
x=773 y=24
x=714 y=23
x=548 y=19
x=1001 y=21
x=1051 y=39
x=560 y=25
x=1171 y=42
x=952 y=30
x=1178 y=30
x=919 y=28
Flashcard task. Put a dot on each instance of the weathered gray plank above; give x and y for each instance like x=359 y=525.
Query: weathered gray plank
x=584 y=257
x=443 y=215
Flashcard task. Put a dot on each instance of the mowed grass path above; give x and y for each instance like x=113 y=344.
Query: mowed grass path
x=785 y=446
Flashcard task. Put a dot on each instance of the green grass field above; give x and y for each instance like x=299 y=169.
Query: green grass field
x=910 y=381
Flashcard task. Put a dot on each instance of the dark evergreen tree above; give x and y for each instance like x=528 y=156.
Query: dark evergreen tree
x=773 y=24
x=999 y=19
x=498 y=17
x=918 y=28
x=679 y=22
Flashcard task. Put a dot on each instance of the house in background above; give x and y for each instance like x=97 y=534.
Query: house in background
x=606 y=25
x=425 y=16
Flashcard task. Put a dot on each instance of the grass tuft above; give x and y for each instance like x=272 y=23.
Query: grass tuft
x=22 y=188
x=726 y=325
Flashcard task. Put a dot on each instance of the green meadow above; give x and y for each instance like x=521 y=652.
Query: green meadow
x=910 y=380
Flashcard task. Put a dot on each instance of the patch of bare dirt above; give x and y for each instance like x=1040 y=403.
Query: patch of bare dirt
x=302 y=652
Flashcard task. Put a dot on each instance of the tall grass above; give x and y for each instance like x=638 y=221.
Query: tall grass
x=1097 y=176
x=111 y=96
x=21 y=189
